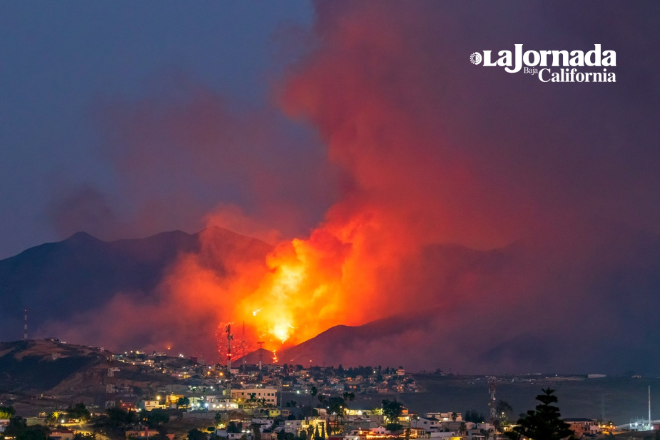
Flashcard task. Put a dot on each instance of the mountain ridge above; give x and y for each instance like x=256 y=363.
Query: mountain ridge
x=561 y=301
x=82 y=272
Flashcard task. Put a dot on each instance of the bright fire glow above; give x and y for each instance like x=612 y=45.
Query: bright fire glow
x=308 y=286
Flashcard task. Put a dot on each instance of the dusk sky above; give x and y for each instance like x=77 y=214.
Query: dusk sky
x=75 y=78
x=360 y=141
x=61 y=64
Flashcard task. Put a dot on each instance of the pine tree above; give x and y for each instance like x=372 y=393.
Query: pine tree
x=543 y=423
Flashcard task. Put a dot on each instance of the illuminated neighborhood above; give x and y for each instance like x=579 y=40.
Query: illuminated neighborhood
x=182 y=397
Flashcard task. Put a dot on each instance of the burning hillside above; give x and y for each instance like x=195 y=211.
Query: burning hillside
x=425 y=169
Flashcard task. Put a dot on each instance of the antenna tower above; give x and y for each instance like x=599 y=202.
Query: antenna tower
x=492 y=403
x=25 y=336
x=243 y=349
x=261 y=353
x=230 y=337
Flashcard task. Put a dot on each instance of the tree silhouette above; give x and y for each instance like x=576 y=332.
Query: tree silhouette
x=313 y=392
x=349 y=397
x=196 y=434
x=503 y=410
x=392 y=410
x=78 y=411
x=336 y=405
x=543 y=423
x=234 y=427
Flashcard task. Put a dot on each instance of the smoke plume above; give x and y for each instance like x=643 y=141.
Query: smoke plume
x=427 y=150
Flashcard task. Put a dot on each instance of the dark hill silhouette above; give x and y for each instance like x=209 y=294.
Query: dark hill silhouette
x=252 y=358
x=58 y=280
x=42 y=365
x=28 y=367
x=578 y=301
x=578 y=298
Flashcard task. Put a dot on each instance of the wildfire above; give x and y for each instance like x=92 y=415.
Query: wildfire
x=304 y=289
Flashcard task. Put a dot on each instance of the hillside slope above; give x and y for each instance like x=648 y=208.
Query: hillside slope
x=56 y=281
x=42 y=365
x=573 y=302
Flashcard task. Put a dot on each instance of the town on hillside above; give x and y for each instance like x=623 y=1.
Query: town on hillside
x=155 y=395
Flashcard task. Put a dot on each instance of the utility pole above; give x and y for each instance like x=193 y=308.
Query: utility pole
x=230 y=337
x=261 y=353
x=650 y=420
x=25 y=335
x=243 y=350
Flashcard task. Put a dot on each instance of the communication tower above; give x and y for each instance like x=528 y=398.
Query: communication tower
x=261 y=353
x=243 y=350
x=230 y=337
x=492 y=404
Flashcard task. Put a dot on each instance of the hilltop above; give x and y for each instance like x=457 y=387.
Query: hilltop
x=57 y=369
x=59 y=281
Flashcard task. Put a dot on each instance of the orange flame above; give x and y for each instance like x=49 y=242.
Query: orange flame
x=309 y=286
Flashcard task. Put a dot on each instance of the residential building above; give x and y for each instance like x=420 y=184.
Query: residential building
x=293 y=426
x=269 y=395
x=581 y=426
x=427 y=424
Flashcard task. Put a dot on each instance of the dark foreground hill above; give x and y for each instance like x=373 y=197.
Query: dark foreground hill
x=261 y=354
x=39 y=376
x=62 y=369
x=43 y=365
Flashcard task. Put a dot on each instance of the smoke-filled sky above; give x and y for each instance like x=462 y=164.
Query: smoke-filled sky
x=362 y=130
x=64 y=68
x=126 y=120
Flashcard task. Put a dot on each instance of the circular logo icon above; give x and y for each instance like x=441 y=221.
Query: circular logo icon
x=475 y=58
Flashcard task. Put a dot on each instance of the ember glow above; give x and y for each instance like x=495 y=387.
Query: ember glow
x=308 y=286
x=302 y=292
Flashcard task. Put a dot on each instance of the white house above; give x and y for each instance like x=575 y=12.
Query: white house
x=428 y=424
x=293 y=426
x=148 y=405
